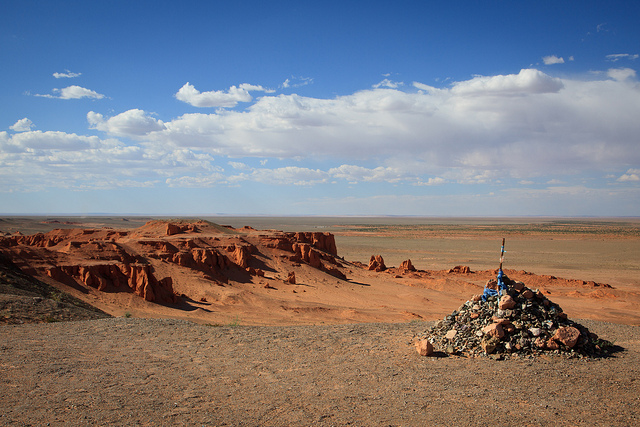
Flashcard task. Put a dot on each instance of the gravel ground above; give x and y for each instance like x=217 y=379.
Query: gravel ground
x=123 y=371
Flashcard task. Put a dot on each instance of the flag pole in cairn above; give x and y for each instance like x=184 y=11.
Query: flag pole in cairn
x=501 y=286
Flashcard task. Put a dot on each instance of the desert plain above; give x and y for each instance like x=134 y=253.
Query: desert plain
x=333 y=346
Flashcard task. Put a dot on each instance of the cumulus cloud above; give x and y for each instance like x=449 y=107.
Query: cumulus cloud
x=525 y=127
x=131 y=123
x=475 y=131
x=66 y=75
x=189 y=94
x=621 y=74
x=35 y=160
x=22 y=125
x=72 y=92
x=552 y=59
x=527 y=81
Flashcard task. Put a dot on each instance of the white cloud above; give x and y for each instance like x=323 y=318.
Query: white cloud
x=22 y=125
x=51 y=140
x=388 y=84
x=67 y=74
x=621 y=74
x=288 y=175
x=239 y=166
x=552 y=59
x=35 y=160
x=354 y=174
x=73 y=92
x=525 y=127
x=432 y=181
x=632 y=175
x=528 y=81
x=521 y=125
x=296 y=82
x=618 y=56
x=131 y=123
x=201 y=181
x=189 y=94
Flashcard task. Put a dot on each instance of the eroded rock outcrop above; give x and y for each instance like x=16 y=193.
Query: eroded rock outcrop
x=376 y=263
x=407 y=265
x=118 y=277
x=192 y=253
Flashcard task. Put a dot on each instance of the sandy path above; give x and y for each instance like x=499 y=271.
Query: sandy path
x=168 y=372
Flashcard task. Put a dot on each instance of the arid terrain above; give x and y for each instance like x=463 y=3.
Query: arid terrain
x=285 y=321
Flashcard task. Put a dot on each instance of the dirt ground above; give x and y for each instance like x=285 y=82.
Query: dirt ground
x=340 y=352
x=167 y=372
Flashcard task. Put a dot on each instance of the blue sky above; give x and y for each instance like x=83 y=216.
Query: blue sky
x=320 y=108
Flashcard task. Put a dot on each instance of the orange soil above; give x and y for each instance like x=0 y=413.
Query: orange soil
x=317 y=296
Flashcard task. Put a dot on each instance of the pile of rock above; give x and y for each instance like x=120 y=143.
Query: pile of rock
x=521 y=322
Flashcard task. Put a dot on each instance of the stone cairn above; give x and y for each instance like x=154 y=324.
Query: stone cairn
x=520 y=323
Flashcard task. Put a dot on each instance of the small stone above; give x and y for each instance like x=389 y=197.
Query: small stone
x=489 y=344
x=535 y=331
x=506 y=303
x=474 y=315
x=540 y=343
x=552 y=345
x=424 y=347
x=567 y=335
x=476 y=298
x=528 y=294
x=451 y=334
x=494 y=330
x=518 y=286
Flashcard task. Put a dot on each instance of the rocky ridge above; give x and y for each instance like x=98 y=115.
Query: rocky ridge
x=145 y=260
x=521 y=322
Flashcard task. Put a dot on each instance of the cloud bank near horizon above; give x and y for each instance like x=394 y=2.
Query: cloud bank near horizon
x=528 y=127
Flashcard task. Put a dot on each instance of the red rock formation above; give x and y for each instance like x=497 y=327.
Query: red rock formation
x=407 y=266
x=323 y=241
x=240 y=254
x=307 y=254
x=376 y=263
x=106 y=277
x=460 y=269
x=283 y=243
x=291 y=278
x=173 y=229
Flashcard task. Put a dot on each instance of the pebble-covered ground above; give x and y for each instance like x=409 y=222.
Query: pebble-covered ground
x=127 y=371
